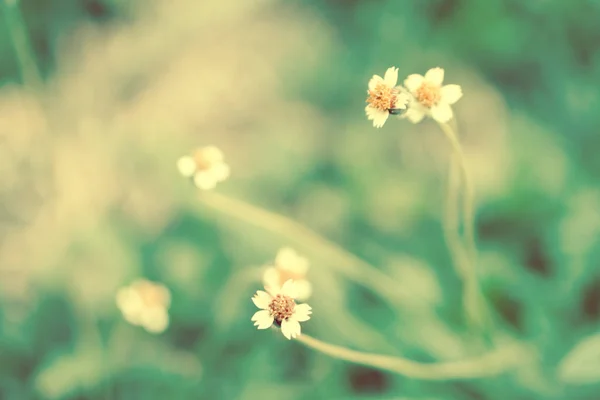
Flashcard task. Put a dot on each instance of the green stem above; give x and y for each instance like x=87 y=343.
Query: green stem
x=345 y=262
x=468 y=197
x=489 y=364
x=465 y=261
x=17 y=30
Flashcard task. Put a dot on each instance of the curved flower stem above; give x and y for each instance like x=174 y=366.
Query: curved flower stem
x=468 y=197
x=464 y=259
x=345 y=262
x=17 y=30
x=451 y=226
x=489 y=364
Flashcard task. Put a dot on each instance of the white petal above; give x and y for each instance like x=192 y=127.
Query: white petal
x=435 y=76
x=205 y=180
x=271 y=277
x=391 y=76
x=377 y=116
x=290 y=328
x=414 y=114
x=220 y=171
x=413 y=82
x=289 y=289
x=212 y=154
x=303 y=289
x=402 y=101
x=262 y=319
x=371 y=112
x=133 y=318
x=374 y=81
x=451 y=93
x=262 y=299
x=287 y=259
x=186 y=166
x=155 y=320
x=302 y=312
x=285 y=255
x=129 y=301
x=441 y=112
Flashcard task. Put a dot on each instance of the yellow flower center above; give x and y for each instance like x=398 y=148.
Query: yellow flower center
x=282 y=307
x=285 y=275
x=382 y=97
x=428 y=94
x=151 y=295
x=202 y=162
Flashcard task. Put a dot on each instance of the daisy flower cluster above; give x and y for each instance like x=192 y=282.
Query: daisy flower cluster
x=206 y=166
x=145 y=304
x=421 y=96
x=278 y=306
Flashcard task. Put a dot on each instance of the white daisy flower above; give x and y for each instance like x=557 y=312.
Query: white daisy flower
x=289 y=265
x=429 y=97
x=205 y=166
x=384 y=97
x=279 y=307
x=145 y=304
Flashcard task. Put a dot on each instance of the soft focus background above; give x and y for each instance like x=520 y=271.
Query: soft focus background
x=91 y=198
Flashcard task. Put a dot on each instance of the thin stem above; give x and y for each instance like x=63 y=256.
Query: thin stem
x=465 y=261
x=468 y=197
x=489 y=364
x=17 y=30
x=451 y=222
x=458 y=254
x=345 y=262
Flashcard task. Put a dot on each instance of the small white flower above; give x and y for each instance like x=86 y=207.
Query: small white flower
x=289 y=265
x=145 y=304
x=279 y=307
x=205 y=166
x=429 y=97
x=384 y=97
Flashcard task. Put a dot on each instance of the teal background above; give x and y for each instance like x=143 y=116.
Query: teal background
x=91 y=198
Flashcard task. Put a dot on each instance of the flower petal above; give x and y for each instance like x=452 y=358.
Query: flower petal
x=374 y=81
x=155 y=320
x=302 y=312
x=129 y=301
x=212 y=154
x=414 y=114
x=391 y=76
x=290 y=328
x=451 y=93
x=377 y=116
x=402 y=100
x=285 y=256
x=271 y=277
x=220 y=171
x=435 y=76
x=205 y=180
x=186 y=166
x=441 y=112
x=288 y=259
x=414 y=82
x=289 y=289
x=262 y=299
x=303 y=289
x=262 y=319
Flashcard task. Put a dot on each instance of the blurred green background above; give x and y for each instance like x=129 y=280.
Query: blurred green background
x=91 y=198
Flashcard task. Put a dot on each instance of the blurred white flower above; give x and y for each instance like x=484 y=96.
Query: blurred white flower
x=289 y=265
x=206 y=166
x=279 y=307
x=429 y=97
x=145 y=304
x=384 y=97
